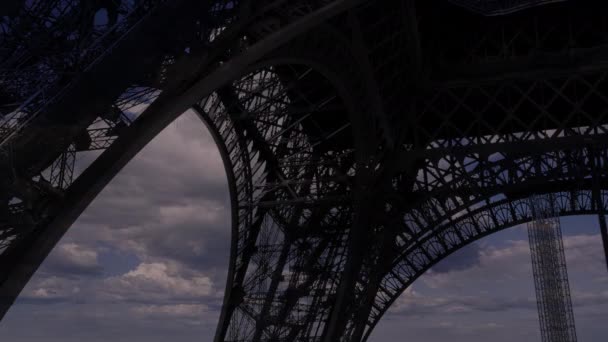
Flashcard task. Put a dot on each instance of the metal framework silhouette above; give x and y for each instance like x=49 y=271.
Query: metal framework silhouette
x=550 y=273
x=363 y=141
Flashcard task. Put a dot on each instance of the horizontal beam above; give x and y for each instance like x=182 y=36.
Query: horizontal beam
x=306 y=202
x=500 y=7
x=513 y=149
x=537 y=66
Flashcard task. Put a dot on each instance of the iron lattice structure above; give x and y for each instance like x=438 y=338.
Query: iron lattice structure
x=550 y=273
x=363 y=141
x=500 y=7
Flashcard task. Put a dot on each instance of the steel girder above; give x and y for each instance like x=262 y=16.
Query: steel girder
x=41 y=132
x=189 y=66
x=469 y=207
x=500 y=7
x=291 y=197
x=497 y=108
x=363 y=143
x=81 y=195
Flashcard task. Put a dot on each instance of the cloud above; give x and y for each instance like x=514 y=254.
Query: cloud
x=460 y=260
x=169 y=203
x=583 y=299
x=413 y=303
x=157 y=282
x=71 y=259
x=192 y=313
x=169 y=211
x=501 y=280
x=493 y=264
x=52 y=289
x=495 y=298
x=584 y=255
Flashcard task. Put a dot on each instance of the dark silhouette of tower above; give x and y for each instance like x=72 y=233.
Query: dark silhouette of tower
x=550 y=273
x=363 y=141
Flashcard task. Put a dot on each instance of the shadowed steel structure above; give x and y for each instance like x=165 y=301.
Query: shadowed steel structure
x=500 y=7
x=550 y=273
x=363 y=141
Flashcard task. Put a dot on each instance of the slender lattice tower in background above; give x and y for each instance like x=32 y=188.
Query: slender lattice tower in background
x=550 y=273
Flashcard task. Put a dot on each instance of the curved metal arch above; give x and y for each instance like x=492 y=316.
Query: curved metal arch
x=335 y=73
x=232 y=188
x=514 y=174
x=436 y=226
x=174 y=100
x=249 y=213
x=418 y=260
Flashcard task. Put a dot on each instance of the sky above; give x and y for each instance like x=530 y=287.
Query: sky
x=147 y=261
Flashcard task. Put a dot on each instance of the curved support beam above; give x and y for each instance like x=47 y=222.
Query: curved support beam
x=463 y=231
x=462 y=203
x=299 y=121
x=229 y=167
x=21 y=264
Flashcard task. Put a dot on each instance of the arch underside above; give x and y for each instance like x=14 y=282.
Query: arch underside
x=481 y=148
x=356 y=159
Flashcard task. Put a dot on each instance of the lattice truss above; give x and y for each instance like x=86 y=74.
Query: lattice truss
x=500 y=7
x=50 y=49
x=285 y=136
x=33 y=92
x=465 y=125
x=69 y=39
x=550 y=273
x=46 y=47
x=480 y=144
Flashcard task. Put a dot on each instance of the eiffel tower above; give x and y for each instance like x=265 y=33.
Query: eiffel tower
x=364 y=141
x=551 y=282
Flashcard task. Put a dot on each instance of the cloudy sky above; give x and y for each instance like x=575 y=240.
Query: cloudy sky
x=147 y=262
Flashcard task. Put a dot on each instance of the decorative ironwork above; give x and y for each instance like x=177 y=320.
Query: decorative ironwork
x=363 y=141
x=500 y=7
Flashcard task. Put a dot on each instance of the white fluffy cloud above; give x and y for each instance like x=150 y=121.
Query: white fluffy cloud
x=53 y=288
x=157 y=282
x=167 y=213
